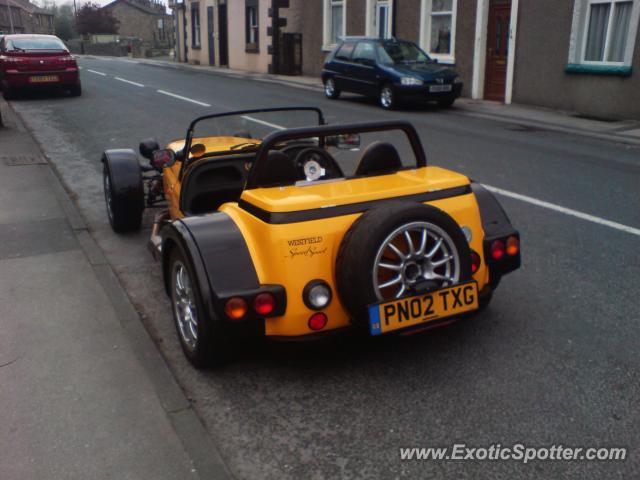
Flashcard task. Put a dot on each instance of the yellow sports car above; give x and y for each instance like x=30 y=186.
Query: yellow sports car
x=271 y=222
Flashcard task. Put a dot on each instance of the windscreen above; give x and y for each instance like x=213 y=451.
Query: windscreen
x=401 y=52
x=35 y=43
x=243 y=132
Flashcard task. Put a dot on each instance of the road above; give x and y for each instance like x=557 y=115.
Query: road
x=554 y=360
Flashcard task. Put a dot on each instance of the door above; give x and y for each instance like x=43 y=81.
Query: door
x=210 y=36
x=382 y=19
x=364 y=73
x=222 y=35
x=495 y=81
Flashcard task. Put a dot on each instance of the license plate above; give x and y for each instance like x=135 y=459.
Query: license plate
x=410 y=311
x=439 y=88
x=43 y=79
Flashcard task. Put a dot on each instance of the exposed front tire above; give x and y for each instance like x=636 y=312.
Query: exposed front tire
x=398 y=250
x=386 y=98
x=75 y=90
x=330 y=89
x=124 y=215
x=203 y=339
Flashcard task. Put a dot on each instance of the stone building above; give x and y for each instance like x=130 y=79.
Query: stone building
x=25 y=18
x=144 y=19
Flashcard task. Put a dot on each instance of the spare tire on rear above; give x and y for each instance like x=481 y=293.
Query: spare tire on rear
x=397 y=250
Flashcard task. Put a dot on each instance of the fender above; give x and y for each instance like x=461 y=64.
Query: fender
x=221 y=261
x=126 y=175
x=496 y=225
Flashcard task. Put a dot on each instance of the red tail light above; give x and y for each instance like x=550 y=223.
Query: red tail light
x=497 y=249
x=318 y=321
x=264 y=303
x=475 y=262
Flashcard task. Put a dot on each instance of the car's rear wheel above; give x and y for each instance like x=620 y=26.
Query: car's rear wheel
x=330 y=89
x=75 y=90
x=387 y=98
x=202 y=338
x=9 y=93
x=124 y=216
x=399 y=250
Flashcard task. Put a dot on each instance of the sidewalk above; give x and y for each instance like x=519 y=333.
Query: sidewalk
x=626 y=131
x=84 y=393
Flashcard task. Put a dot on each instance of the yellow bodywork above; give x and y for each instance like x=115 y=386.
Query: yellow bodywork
x=293 y=254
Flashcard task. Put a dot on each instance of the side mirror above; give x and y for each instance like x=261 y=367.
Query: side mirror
x=163 y=158
x=197 y=150
x=434 y=60
x=148 y=146
x=343 y=142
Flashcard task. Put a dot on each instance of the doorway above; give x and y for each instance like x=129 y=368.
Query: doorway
x=223 y=35
x=498 y=28
x=382 y=19
x=210 y=37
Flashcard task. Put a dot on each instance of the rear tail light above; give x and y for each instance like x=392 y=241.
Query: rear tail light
x=497 y=249
x=475 y=262
x=235 y=308
x=318 y=321
x=513 y=246
x=264 y=303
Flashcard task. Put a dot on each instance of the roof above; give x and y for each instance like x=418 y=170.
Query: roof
x=142 y=5
x=26 y=6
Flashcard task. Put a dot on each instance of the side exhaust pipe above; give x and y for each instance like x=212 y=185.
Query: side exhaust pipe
x=155 y=241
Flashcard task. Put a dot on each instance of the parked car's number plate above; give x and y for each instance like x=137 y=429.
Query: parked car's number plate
x=410 y=311
x=439 y=88
x=43 y=78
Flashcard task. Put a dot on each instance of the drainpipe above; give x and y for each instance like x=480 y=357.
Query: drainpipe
x=10 y=18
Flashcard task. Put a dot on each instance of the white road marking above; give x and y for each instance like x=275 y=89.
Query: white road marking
x=97 y=73
x=129 y=81
x=566 y=211
x=262 y=122
x=180 y=97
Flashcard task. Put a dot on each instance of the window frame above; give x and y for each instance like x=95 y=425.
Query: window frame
x=249 y=28
x=580 y=32
x=426 y=16
x=327 y=41
x=372 y=19
x=195 y=26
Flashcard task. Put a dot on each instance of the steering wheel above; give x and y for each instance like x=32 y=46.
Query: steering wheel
x=315 y=163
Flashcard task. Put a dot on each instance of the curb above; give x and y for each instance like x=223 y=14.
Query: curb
x=195 y=440
x=463 y=111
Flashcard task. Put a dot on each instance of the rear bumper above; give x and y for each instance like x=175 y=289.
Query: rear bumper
x=422 y=93
x=27 y=79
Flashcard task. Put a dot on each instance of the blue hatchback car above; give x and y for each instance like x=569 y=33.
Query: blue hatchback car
x=390 y=70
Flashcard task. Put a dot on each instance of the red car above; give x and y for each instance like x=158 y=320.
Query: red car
x=36 y=61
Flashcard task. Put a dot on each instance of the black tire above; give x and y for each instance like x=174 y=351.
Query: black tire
x=448 y=103
x=330 y=88
x=124 y=215
x=386 y=97
x=9 y=93
x=356 y=257
x=75 y=90
x=213 y=346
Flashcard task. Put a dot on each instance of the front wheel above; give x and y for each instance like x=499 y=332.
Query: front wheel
x=330 y=89
x=387 y=98
x=123 y=216
x=203 y=339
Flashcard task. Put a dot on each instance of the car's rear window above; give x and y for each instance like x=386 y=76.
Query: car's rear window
x=35 y=43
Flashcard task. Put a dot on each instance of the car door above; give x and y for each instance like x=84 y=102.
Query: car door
x=364 y=73
x=342 y=66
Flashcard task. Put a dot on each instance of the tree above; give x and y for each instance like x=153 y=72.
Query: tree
x=93 y=19
x=64 y=22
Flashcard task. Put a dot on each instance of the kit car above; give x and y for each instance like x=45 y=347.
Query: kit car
x=297 y=230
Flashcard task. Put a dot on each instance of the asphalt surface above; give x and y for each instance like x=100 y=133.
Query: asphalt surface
x=554 y=360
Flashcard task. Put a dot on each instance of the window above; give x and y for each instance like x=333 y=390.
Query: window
x=334 y=22
x=364 y=52
x=195 y=25
x=379 y=21
x=438 y=29
x=251 y=25
x=603 y=32
x=345 y=52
